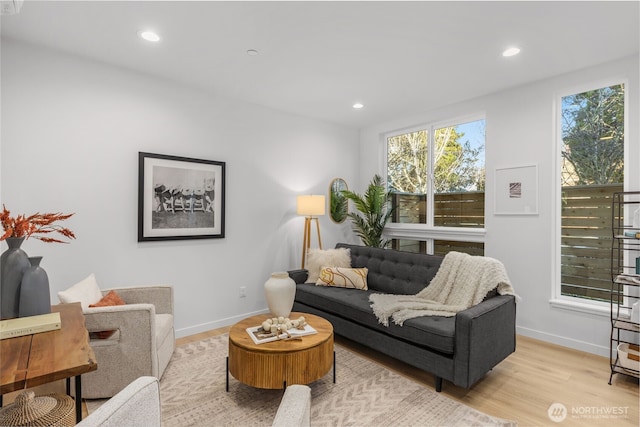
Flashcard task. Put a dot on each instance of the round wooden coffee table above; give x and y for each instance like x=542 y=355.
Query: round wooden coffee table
x=274 y=365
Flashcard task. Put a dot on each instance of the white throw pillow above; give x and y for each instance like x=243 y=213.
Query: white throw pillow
x=318 y=258
x=85 y=292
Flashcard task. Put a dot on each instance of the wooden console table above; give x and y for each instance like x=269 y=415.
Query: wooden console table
x=37 y=359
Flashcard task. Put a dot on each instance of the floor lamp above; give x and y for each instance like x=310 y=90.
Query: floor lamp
x=310 y=206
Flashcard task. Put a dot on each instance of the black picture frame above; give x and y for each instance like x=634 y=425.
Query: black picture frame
x=180 y=198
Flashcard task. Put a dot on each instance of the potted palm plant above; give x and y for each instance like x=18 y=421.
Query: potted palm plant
x=374 y=211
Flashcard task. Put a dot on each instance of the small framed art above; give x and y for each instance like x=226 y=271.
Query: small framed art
x=180 y=198
x=516 y=190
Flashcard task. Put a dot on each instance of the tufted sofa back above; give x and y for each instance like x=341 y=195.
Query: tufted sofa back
x=394 y=272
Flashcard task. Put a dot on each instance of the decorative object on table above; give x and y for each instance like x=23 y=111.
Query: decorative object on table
x=180 y=198
x=14 y=262
x=20 y=326
x=31 y=410
x=374 y=211
x=311 y=206
x=34 y=290
x=280 y=291
x=280 y=328
x=338 y=203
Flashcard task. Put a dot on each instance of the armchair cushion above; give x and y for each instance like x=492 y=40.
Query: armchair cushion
x=85 y=292
x=111 y=298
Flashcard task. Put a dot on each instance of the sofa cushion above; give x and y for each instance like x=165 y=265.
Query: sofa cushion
x=394 y=272
x=434 y=332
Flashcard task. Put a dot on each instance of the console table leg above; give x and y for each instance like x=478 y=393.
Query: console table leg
x=78 y=384
x=68 y=382
x=227 y=373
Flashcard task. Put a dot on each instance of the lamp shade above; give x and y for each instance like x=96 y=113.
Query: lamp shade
x=310 y=205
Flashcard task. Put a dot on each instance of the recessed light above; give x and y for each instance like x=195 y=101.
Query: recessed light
x=149 y=36
x=358 y=105
x=252 y=52
x=511 y=51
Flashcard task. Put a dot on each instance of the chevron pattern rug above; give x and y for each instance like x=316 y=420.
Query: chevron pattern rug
x=366 y=394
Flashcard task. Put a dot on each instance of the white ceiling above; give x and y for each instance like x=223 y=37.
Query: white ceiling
x=317 y=58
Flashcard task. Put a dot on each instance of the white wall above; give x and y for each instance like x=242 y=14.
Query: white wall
x=71 y=133
x=521 y=130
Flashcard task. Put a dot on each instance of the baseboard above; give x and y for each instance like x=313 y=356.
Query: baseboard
x=564 y=341
x=204 y=327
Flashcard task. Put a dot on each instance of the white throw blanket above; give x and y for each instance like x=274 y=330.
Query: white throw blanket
x=462 y=281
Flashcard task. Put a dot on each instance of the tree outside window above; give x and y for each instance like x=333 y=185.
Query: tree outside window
x=592 y=152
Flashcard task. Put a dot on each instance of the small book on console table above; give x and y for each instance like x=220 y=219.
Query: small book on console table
x=20 y=326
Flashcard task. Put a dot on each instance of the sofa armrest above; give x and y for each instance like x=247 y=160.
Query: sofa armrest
x=161 y=296
x=299 y=276
x=136 y=324
x=123 y=317
x=137 y=404
x=485 y=335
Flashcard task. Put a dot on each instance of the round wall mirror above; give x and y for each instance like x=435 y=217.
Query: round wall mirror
x=338 y=204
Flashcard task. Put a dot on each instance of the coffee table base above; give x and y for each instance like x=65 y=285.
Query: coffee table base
x=284 y=383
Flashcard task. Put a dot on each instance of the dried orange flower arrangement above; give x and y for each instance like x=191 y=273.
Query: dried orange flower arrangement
x=27 y=226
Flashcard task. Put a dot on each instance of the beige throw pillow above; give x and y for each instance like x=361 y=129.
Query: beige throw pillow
x=319 y=258
x=355 y=278
x=85 y=292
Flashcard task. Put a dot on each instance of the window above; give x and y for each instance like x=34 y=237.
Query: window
x=436 y=177
x=592 y=147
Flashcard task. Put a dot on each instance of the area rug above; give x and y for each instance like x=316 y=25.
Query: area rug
x=193 y=393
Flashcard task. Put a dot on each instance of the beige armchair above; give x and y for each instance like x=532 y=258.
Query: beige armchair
x=142 y=344
x=138 y=404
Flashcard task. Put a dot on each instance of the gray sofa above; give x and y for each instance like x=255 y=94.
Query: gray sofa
x=459 y=349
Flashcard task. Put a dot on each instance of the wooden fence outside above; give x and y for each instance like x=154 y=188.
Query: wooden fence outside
x=586 y=240
x=585 y=232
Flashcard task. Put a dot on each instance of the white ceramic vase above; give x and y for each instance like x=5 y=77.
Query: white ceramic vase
x=280 y=291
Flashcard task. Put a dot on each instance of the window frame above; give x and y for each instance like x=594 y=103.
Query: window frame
x=557 y=300
x=429 y=232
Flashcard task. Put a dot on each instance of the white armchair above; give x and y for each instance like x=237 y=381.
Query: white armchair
x=142 y=344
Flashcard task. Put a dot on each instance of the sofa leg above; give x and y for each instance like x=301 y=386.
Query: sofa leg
x=438 y=384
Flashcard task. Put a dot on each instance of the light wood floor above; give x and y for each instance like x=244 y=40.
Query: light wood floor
x=528 y=382
x=521 y=388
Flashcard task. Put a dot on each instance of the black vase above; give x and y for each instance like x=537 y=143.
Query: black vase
x=13 y=263
x=34 y=290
